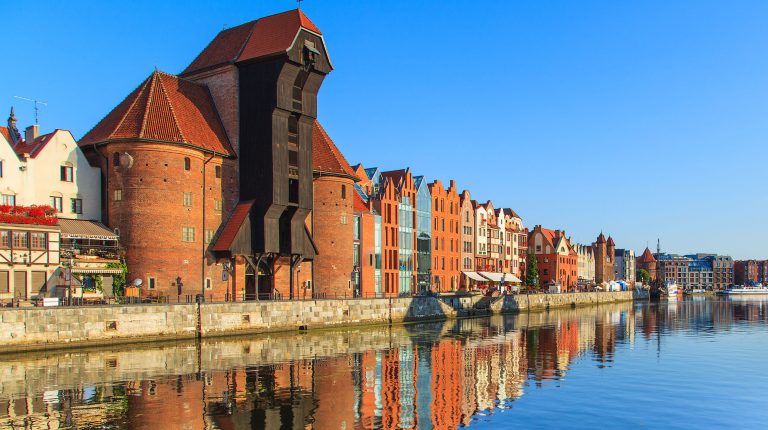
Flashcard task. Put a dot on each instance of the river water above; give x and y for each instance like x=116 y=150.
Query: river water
x=689 y=364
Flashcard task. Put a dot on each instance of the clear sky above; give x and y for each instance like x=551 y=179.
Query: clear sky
x=643 y=119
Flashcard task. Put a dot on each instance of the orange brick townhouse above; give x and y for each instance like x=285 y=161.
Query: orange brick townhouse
x=221 y=181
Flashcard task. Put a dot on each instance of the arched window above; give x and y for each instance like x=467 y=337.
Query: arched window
x=343 y=191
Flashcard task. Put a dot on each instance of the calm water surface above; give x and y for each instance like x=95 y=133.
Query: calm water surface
x=693 y=364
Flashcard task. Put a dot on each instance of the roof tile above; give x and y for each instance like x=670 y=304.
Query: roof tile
x=326 y=157
x=165 y=108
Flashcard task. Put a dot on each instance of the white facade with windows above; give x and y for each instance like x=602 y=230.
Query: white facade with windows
x=50 y=170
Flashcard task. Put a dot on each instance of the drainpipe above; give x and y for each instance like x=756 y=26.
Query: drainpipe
x=202 y=261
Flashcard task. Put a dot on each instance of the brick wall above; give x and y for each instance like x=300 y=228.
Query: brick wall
x=332 y=231
x=151 y=213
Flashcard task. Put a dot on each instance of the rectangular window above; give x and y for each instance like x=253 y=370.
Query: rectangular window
x=5 y=239
x=20 y=239
x=208 y=284
x=56 y=203
x=343 y=219
x=8 y=200
x=66 y=173
x=186 y=199
x=118 y=195
x=217 y=169
x=217 y=205
x=1 y=168
x=357 y=228
x=209 y=235
x=77 y=206
x=151 y=283
x=39 y=240
x=187 y=234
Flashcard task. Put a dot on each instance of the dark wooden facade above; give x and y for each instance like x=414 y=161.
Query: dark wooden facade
x=278 y=105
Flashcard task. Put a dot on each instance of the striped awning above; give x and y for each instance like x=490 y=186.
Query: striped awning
x=85 y=229
x=97 y=271
x=474 y=276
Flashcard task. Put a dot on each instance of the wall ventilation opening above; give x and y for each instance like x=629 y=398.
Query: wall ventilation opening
x=111 y=325
x=247 y=319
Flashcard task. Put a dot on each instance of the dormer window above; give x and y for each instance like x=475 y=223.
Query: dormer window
x=310 y=53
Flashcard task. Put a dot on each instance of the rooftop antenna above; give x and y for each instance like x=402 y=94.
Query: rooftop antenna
x=36 y=102
x=298 y=4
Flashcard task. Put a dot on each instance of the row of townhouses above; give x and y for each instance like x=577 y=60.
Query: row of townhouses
x=221 y=181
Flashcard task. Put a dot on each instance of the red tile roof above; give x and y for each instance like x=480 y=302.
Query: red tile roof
x=326 y=157
x=550 y=236
x=647 y=257
x=224 y=240
x=4 y=132
x=165 y=108
x=263 y=37
x=33 y=148
x=610 y=241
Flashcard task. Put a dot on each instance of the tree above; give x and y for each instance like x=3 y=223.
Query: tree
x=532 y=271
x=643 y=276
x=118 y=279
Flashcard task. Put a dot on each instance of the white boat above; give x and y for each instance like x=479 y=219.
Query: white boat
x=746 y=289
x=672 y=290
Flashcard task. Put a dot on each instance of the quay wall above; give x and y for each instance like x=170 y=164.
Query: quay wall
x=54 y=328
x=50 y=328
x=540 y=302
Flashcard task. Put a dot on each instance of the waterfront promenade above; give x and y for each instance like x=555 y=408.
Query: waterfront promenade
x=53 y=328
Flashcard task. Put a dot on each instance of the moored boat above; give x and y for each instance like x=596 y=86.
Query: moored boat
x=746 y=289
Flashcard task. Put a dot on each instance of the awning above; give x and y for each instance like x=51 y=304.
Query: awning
x=474 y=276
x=85 y=229
x=500 y=277
x=97 y=271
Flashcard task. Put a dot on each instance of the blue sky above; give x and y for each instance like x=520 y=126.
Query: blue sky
x=643 y=119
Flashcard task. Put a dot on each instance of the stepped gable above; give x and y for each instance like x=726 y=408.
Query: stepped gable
x=168 y=109
x=326 y=157
x=263 y=37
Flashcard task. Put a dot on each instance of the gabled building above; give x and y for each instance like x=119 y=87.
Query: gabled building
x=556 y=258
x=48 y=169
x=446 y=236
x=585 y=257
x=625 y=266
x=468 y=226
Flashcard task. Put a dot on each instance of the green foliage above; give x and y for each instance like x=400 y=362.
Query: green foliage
x=118 y=279
x=532 y=272
x=643 y=276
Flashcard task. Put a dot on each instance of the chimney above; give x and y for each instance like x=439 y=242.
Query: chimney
x=31 y=133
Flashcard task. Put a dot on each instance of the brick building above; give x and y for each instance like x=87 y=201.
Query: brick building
x=332 y=222
x=185 y=136
x=647 y=262
x=446 y=236
x=605 y=259
x=746 y=272
x=168 y=171
x=557 y=261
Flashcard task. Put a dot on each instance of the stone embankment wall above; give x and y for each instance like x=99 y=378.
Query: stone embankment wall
x=49 y=328
x=41 y=328
x=539 y=302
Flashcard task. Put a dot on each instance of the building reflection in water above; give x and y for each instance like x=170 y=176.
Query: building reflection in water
x=437 y=375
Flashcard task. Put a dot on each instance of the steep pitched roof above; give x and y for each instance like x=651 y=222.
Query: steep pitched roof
x=34 y=147
x=5 y=133
x=326 y=157
x=601 y=238
x=165 y=108
x=647 y=257
x=263 y=37
x=549 y=235
x=610 y=241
